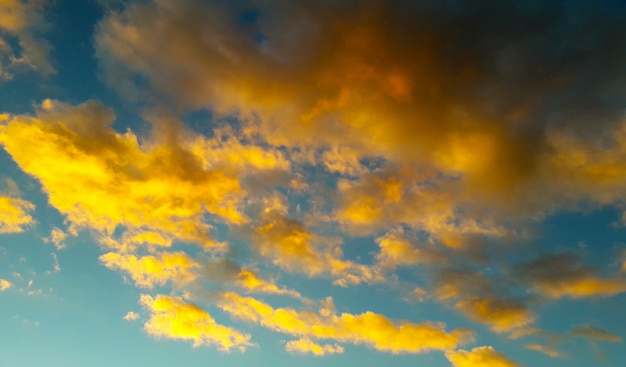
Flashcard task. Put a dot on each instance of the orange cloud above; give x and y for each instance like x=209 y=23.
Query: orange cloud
x=149 y=271
x=172 y=318
x=368 y=328
x=14 y=215
x=480 y=357
x=306 y=346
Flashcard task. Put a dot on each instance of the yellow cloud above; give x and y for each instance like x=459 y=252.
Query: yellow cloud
x=306 y=346
x=480 y=357
x=501 y=315
x=4 y=285
x=149 y=271
x=14 y=215
x=172 y=318
x=101 y=179
x=367 y=328
x=252 y=283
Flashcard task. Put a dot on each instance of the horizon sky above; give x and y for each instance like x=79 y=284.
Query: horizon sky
x=337 y=183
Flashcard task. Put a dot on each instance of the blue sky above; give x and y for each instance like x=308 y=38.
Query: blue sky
x=272 y=182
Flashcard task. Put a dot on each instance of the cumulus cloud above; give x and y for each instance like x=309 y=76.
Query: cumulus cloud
x=306 y=346
x=103 y=180
x=480 y=357
x=14 y=214
x=173 y=318
x=368 y=328
x=545 y=349
x=24 y=21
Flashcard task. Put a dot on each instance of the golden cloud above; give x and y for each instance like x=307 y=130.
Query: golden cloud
x=100 y=179
x=367 y=328
x=480 y=357
x=172 y=318
x=352 y=85
x=562 y=275
x=306 y=346
x=502 y=315
x=149 y=271
x=14 y=215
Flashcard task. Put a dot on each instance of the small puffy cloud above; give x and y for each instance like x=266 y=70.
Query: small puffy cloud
x=396 y=251
x=562 y=275
x=591 y=332
x=306 y=346
x=131 y=316
x=480 y=357
x=368 y=328
x=57 y=237
x=150 y=271
x=173 y=318
x=500 y=314
x=252 y=283
x=14 y=214
x=4 y=285
x=25 y=21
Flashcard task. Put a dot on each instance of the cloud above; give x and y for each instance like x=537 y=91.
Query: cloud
x=14 y=214
x=501 y=315
x=172 y=318
x=150 y=271
x=306 y=346
x=368 y=328
x=547 y=350
x=103 y=180
x=57 y=237
x=25 y=21
x=131 y=316
x=562 y=275
x=480 y=357
x=591 y=332
x=292 y=247
x=227 y=272
x=477 y=298
x=483 y=124
x=4 y=285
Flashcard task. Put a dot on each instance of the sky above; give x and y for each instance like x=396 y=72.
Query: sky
x=279 y=183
